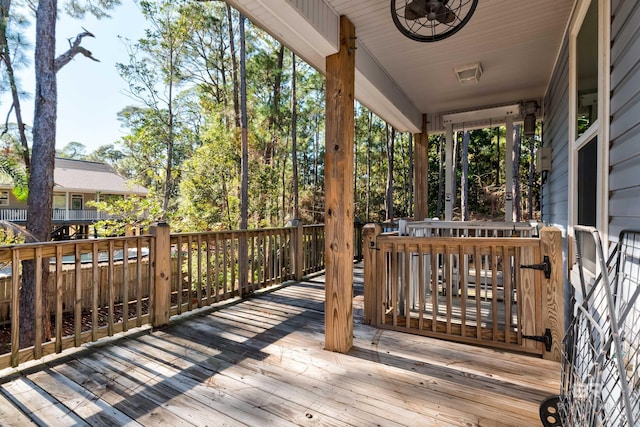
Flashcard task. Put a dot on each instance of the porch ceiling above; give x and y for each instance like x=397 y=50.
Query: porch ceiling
x=516 y=43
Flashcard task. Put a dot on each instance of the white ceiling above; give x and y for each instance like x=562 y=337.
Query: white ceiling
x=516 y=41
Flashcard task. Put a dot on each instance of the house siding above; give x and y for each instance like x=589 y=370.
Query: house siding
x=555 y=134
x=624 y=149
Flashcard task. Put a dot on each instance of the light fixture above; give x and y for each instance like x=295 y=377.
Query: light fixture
x=529 y=110
x=468 y=74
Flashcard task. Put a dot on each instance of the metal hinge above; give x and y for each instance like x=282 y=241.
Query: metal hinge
x=545 y=266
x=547 y=339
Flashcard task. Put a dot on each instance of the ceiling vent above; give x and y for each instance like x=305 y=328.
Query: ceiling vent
x=469 y=74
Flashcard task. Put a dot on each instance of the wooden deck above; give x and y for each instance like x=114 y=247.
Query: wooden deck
x=261 y=362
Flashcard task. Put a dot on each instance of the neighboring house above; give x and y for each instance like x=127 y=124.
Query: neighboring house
x=75 y=183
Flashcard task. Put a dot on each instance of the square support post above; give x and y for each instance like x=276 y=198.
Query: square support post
x=421 y=172
x=370 y=233
x=339 y=199
x=161 y=291
x=553 y=291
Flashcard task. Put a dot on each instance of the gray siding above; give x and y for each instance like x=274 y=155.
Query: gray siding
x=624 y=154
x=555 y=135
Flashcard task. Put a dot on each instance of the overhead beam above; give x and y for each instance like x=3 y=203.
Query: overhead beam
x=311 y=30
x=379 y=93
x=339 y=199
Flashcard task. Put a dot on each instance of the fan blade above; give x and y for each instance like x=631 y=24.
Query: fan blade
x=415 y=10
x=445 y=15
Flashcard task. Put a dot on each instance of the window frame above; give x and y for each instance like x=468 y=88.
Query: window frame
x=600 y=127
x=5 y=195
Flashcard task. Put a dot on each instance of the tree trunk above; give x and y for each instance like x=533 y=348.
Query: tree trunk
x=275 y=108
x=517 y=210
x=531 y=171
x=368 y=196
x=464 y=180
x=42 y=164
x=294 y=138
x=497 y=162
x=234 y=68
x=390 y=136
x=454 y=166
x=410 y=189
x=244 y=163
x=440 y=175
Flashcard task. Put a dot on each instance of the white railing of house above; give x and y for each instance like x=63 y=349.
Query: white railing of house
x=20 y=215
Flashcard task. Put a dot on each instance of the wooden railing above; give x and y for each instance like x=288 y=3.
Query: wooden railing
x=204 y=266
x=161 y=275
x=467 y=289
x=313 y=248
x=57 y=215
x=87 y=300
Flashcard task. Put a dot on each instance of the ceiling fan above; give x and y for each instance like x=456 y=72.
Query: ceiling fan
x=431 y=20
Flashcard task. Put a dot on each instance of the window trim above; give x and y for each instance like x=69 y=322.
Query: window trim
x=7 y=198
x=76 y=196
x=600 y=127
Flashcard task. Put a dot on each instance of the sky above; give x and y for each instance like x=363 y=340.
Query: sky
x=90 y=94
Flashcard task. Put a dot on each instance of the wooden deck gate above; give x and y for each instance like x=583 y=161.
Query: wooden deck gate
x=468 y=289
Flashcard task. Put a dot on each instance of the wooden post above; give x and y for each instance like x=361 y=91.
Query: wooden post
x=339 y=202
x=449 y=197
x=508 y=160
x=370 y=233
x=421 y=172
x=298 y=250
x=161 y=284
x=553 y=290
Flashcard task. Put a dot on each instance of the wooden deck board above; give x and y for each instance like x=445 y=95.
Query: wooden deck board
x=262 y=362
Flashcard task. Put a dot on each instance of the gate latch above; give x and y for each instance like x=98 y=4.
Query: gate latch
x=547 y=339
x=545 y=266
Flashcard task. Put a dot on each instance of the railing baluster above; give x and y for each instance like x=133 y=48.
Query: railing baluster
x=208 y=271
x=421 y=290
x=39 y=289
x=477 y=259
x=95 y=292
x=111 y=289
x=435 y=283
x=189 y=273
x=125 y=286
x=463 y=268
x=449 y=285
x=77 y=312
x=494 y=292
x=506 y=285
x=395 y=299
x=179 y=285
x=199 y=281
x=59 y=289
x=15 y=309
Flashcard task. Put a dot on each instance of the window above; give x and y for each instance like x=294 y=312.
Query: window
x=589 y=113
x=587 y=201
x=587 y=71
x=76 y=201
x=59 y=201
x=4 y=198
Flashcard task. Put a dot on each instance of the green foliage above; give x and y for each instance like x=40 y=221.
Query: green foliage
x=127 y=212
x=73 y=150
x=8 y=237
x=10 y=167
x=97 y=8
